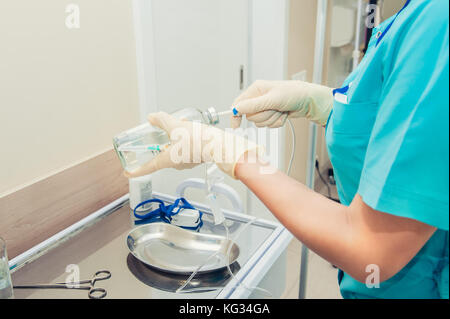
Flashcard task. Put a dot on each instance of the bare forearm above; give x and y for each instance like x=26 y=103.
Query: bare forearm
x=350 y=237
x=319 y=223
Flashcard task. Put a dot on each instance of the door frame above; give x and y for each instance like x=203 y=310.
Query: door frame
x=145 y=57
x=267 y=58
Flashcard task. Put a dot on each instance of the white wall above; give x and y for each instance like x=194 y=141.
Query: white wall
x=302 y=34
x=196 y=49
x=269 y=39
x=189 y=55
x=269 y=26
x=269 y=54
x=391 y=7
x=63 y=92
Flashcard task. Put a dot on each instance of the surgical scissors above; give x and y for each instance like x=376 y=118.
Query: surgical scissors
x=93 y=293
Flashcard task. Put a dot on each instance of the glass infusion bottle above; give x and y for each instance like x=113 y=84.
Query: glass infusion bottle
x=139 y=145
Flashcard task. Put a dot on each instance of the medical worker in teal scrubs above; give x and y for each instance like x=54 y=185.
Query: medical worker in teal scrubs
x=387 y=133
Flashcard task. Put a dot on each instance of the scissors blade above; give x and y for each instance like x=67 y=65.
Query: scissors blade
x=98 y=276
x=51 y=286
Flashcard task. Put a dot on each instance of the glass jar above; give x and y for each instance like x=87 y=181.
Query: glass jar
x=139 y=145
x=6 y=289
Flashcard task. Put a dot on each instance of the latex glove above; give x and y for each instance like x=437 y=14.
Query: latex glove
x=196 y=143
x=270 y=103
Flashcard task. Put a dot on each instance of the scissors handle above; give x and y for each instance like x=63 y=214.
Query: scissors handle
x=97 y=293
x=94 y=293
x=102 y=275
x=98 y=276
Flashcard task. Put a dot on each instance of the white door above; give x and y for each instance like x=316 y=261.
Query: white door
x=190 y=54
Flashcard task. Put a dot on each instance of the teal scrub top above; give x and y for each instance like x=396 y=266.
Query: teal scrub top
x=388 y=140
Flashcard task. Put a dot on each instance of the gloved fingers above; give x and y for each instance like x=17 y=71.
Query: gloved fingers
x=162 y=160
x=277 y=120
x=264 y=118
x=295 y=114
x=163 y=121
x=261 y=119
x=280 y=121
x=255 y=105
x=235 y=121
x=257 y=89
x=256 y=118
x=271 y=118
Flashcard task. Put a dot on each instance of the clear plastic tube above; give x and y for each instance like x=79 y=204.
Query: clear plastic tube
x=210 y=180
x=209 y=183
x=227 y=262
x=195 y=273
x=268 y=293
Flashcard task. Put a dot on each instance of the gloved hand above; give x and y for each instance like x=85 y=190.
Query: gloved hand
x=193 y=143
x=270 y=103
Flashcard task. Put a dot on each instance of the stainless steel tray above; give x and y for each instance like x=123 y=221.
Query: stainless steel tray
x=176 y=250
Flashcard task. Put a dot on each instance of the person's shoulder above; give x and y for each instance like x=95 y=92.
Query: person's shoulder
x=421 y=19
x=432 y=12
x=437 y=6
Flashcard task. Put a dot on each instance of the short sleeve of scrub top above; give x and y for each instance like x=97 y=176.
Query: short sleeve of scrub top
x=404 y=157
x=405 y=170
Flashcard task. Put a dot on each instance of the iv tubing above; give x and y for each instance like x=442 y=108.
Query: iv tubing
x=227 y=255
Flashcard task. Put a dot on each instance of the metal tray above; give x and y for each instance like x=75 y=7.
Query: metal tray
x=171 y=282
x=175 y=250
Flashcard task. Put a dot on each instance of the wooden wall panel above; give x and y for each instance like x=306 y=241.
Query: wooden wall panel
x=38 y=211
